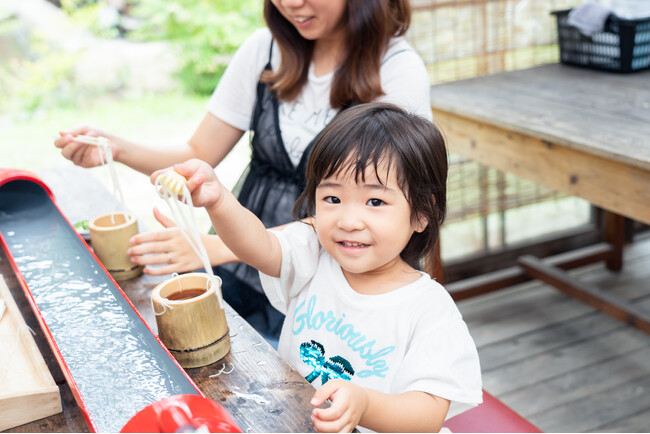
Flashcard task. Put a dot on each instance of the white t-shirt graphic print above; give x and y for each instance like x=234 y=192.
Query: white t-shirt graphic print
x=412 y=338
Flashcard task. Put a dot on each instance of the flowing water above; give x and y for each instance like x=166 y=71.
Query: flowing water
x=117 y=364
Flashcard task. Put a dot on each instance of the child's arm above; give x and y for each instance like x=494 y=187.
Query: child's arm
x=239 y=229
x=353 y=405
x=152 y=248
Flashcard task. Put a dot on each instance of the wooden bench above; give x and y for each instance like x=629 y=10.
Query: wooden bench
x=490 y=417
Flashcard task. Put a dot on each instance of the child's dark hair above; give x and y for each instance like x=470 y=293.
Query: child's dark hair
x=369 y=134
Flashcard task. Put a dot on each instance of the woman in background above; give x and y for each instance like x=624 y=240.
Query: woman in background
x=285 y=83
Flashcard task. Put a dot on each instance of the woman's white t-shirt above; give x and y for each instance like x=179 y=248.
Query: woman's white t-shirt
x=404 y=80
x=410 y=339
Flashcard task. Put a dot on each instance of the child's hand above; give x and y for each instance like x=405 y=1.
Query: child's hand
x=349 y=403
x=202 y=182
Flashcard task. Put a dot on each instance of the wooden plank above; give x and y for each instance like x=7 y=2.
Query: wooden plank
x=600 y=409
x=576 y=383
x=625 y=284
x=511 y=313
x=549 y=365
x=545 y=339
x=561 y=105
x=486 y=283
x=547 y=336
x=637 y=258
x=70 y=420
x=519 y=338
x=478 y=263
x=610 y=184
x=510 y=276
x=578 y=90
x=28 y=390
x=637 y=423
x=591 y=294
x=495 y=325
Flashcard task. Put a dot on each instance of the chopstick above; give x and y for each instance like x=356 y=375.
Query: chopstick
x=90 y=140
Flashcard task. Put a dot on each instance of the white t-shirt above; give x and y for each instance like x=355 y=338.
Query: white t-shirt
x=412 y=338
x=404 y=80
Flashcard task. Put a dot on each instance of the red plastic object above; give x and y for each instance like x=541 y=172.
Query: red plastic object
x=182 y=413
x=492 y=416
x=8 y=175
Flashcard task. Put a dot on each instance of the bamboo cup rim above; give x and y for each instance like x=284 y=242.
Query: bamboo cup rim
x=103 y=222
x=158 y=297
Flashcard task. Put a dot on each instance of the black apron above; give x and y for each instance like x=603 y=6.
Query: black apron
x=270 y=188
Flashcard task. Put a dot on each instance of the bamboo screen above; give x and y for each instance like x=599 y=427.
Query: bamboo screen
x=466 y=38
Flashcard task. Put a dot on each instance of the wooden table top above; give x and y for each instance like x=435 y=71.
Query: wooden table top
x=607 y=114
x=263 y=393
x=582 y=132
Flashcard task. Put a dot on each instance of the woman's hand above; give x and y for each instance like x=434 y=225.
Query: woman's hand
x=167 y=247
x=349 y=403
x=170 y=249
x=82 y=154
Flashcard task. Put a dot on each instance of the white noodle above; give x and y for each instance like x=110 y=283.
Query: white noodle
x=172 y=188
x=106 y=157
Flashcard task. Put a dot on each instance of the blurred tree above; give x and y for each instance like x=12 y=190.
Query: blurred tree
x=205 y=32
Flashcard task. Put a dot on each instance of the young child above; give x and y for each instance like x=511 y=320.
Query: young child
x=385 y=342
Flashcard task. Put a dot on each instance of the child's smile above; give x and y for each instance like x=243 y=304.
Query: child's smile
x=364 y=226
x=352 y=244
x=352 y=247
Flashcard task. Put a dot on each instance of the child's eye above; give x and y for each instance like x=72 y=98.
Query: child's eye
x=375 y=202
x=332 y=199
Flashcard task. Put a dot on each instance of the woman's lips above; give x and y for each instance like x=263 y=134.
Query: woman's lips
x=302 y=21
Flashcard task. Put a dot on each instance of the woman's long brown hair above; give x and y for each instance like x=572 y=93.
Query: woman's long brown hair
x=369 y=23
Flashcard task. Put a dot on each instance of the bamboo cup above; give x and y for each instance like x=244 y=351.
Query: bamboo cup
x=109 y=236
x=194 y=330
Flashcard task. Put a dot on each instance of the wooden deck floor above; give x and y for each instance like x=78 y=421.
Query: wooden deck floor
x=561 y=364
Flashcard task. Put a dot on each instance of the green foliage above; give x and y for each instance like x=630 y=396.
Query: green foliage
x=206 y=33
x=41 y=77
x=37 y=82
x=87 y=13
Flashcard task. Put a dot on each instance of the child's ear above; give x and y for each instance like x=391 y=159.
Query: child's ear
x=421 y=224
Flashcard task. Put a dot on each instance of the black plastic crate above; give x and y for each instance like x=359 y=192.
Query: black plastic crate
x=623 y=45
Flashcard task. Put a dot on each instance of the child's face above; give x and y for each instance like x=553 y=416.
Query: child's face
x=364 y=226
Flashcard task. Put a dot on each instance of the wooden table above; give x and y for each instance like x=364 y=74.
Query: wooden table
x=582 y=132
x=263 y=393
